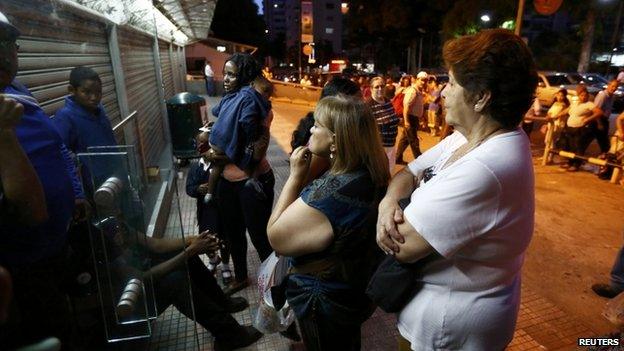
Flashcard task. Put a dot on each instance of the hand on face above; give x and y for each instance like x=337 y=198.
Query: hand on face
x=300 y=163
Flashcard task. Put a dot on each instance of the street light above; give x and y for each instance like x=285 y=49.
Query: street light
x=485 y=18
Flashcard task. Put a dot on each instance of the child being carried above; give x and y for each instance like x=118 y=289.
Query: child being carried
x=238 y=137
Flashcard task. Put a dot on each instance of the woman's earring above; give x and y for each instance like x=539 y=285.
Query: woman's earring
x=332 y=150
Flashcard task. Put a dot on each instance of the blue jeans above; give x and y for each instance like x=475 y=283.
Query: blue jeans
x=617 y=271
x=330 y=314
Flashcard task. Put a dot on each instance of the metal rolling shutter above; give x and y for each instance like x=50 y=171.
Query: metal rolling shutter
x=137 y=57
x=166 y=68
x=178 y=56
x=48 y=52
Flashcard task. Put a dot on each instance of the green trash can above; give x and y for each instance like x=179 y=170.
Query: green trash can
x=184 y=111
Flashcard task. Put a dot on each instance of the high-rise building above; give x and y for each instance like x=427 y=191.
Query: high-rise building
x=284 y=16
x=275 y=17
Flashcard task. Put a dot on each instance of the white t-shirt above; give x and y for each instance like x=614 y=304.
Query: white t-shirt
x=413 y=101
x=578 y=111
x=554 y=110
x=478 y=214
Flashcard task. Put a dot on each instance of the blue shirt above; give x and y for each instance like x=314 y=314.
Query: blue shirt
x=21 y=245
x=81 y=129
x=239 y=124
x=604 y=102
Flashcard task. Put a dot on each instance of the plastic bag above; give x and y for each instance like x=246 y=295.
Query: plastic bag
x=267 y=319
x=614 y=311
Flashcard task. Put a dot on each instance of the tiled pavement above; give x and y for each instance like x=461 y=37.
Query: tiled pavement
x=541 y=324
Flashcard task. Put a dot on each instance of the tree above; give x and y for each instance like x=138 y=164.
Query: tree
x=390 y=26
x=591 y=13
x=239 y=21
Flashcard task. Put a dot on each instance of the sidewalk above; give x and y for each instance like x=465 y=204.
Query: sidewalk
x=556 y=307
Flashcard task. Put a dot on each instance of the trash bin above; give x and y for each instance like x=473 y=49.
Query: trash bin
x=185 y=111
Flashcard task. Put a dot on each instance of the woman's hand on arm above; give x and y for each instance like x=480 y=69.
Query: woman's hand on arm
x=414 y=247
x=390 y=213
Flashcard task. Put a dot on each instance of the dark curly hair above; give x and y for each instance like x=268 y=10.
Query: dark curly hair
x=248 y=67
x=498 y=61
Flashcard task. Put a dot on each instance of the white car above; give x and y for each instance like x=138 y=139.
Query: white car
x=549 y=83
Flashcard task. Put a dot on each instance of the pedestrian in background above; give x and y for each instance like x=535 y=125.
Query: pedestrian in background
x=209 y=76
x=385 y=117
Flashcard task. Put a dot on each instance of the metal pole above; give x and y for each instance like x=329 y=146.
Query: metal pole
x=519 y=17
x=616 y=31
x=300 y=46
x=159 y=79
x=420 y=53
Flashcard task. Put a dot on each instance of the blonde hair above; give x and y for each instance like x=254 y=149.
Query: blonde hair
x=372 y=81
x=357 y=138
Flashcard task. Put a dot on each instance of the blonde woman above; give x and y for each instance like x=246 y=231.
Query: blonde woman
x=328 y=227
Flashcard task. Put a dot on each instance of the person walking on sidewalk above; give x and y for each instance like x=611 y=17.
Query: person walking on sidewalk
x=413 y=108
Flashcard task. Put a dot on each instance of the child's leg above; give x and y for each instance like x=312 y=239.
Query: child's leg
x=215 y=173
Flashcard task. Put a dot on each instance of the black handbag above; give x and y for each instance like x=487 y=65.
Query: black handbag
x=392 y=285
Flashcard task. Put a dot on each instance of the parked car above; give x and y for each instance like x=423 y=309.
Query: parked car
x=550 y=82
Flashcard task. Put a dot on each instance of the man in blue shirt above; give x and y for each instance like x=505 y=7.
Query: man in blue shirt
x=34 y=254
x=600 y=128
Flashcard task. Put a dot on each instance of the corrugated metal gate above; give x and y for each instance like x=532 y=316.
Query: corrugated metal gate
x=166 y=68
x=137 y=57
x=49 y=51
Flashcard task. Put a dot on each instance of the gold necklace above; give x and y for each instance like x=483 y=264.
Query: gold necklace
x=464 y=149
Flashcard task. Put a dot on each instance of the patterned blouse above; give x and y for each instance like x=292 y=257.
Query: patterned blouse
x=349 y=201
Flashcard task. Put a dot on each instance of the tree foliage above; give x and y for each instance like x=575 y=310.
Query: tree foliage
x=382 y=30
x=464 y=16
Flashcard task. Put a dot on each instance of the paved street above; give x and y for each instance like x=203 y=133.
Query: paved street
x=578 y=231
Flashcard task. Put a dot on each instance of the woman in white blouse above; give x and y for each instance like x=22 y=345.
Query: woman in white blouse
x=472 y=202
